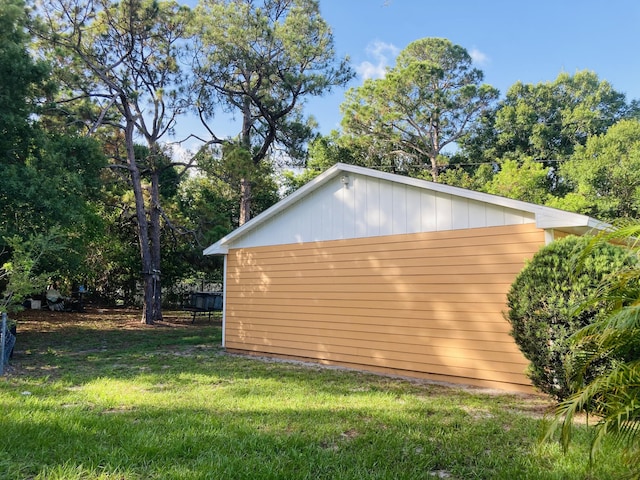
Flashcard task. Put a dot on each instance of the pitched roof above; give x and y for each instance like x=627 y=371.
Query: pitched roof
x=545 y=217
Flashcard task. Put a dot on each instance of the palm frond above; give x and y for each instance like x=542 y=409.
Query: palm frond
x=618 y=408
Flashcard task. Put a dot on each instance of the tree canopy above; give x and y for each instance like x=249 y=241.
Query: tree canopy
x=21 y=82
x=427 y=102
x=548 y=120
x=92 y=91
x=122 y=79
x=127 y=59
x=50 y=178
x=261 y=60
x=604 y=174
x=532 y=145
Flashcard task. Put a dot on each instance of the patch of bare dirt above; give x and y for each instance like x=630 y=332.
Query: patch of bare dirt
x=108 y=318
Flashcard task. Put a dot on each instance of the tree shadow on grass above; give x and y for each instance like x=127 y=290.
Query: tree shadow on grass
x=231 y=440
x=92 y=399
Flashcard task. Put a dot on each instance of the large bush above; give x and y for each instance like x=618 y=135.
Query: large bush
x=543 y=305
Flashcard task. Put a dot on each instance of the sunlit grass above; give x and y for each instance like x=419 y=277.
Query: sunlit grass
x=109 y=399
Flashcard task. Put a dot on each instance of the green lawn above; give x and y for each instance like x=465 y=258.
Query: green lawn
x=98 y=396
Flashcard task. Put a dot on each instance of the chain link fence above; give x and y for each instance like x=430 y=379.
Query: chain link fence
x=7 y=342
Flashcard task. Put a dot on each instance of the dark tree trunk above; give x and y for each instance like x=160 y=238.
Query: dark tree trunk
x=143 y=226
x=245 y=183
x=155 y=243
x=245 y=201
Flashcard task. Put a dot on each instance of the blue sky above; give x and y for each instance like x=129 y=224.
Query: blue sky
x=529 y=41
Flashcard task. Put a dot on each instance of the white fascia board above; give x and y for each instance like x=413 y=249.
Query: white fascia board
x=552 y=218
x=216 y=249
x=221 y=246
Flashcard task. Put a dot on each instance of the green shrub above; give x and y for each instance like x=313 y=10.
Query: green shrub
x=543 y=303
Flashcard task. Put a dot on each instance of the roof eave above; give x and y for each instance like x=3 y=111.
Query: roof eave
x=548 y=218
x=216 y=249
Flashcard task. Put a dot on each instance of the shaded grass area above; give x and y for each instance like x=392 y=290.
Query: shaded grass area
x=99 y=396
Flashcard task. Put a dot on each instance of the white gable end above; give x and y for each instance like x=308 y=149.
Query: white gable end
x=368 y=206
x=348 y=201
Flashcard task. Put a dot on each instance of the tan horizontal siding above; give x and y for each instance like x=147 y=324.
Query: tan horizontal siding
x=402 y=286
x=425 y=339
x=430 y=302
x=414 y=270
x=391 y=294
x=388 y=346
x=449 y=324
x=342 y=308
x=440 y=364
x=359 y=259
x=457 y=264
x=358 y=252
x=479 y=236
x=326 y=276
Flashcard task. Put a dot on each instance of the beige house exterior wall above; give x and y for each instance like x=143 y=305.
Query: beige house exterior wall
x=427 y=305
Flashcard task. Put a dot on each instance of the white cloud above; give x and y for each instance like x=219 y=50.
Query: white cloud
x=381 y=54
x=179 y=153
x=382 y=49
x=368 y=70
x=478 y=57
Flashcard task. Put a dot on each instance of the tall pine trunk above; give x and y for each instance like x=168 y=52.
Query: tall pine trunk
x=435 y=150
x=245 y=183
x=245 y=201
x=154 y=217
x=143 y=226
